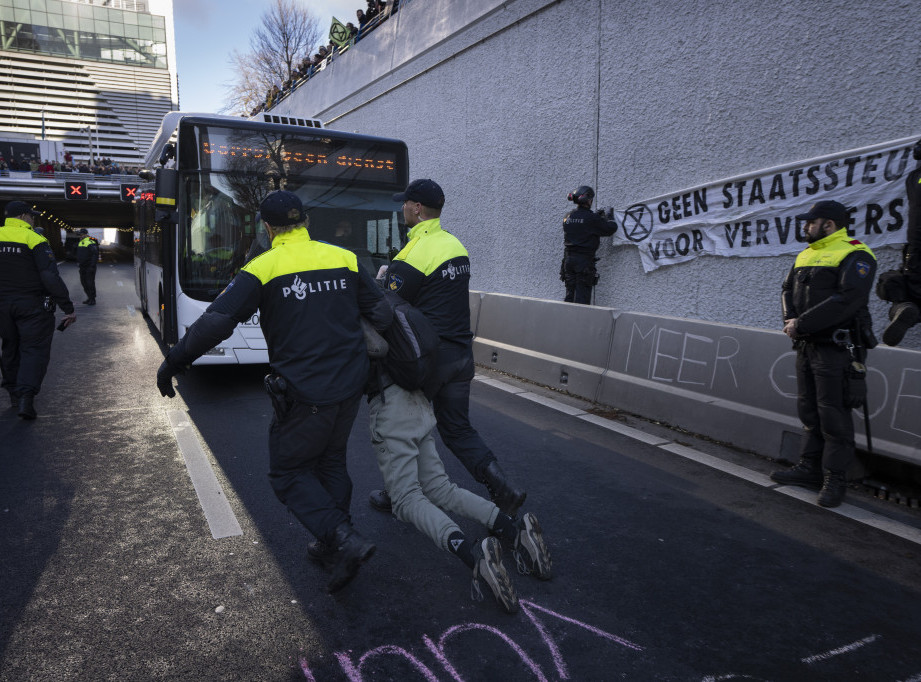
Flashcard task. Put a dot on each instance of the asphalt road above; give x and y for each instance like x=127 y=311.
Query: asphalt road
x=666 y=568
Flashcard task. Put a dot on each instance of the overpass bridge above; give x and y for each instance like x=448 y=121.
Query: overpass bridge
x=71 y=201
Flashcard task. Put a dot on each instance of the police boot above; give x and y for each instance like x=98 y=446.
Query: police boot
x=833 y=489
x=903 y=316
x=503 y=494
x=14 y=400
x=353 y=551
x=26 y=408
x=322 y=553
x=807 y=473
x=380 y=500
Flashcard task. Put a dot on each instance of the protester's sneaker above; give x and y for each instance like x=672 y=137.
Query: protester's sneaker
x=530 y=550
x=903 y=316
x=805 y=473
x=488 y=568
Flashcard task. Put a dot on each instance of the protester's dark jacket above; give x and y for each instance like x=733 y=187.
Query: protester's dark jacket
x=87 y=252
x=829 y=286
x=309 y=295
x=432 y=272
x=28 y=268
x=583 y=229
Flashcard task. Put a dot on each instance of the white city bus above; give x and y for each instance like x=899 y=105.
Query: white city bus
x=196 y=221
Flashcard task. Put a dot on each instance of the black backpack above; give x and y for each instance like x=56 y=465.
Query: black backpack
x=411 y=360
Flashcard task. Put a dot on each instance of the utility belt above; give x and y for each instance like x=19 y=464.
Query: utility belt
x=283 y=397
x=578 y=251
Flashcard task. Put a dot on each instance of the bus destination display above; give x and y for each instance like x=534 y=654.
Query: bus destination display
x=319 y=158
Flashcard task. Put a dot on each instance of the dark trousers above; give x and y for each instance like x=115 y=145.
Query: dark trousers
x=26 y=329
x=829 y=439
x=579 y=277
x=307 y=463
x=452 y=412
x=88 y=281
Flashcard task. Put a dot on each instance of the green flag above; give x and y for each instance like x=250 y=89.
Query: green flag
x=338 y=33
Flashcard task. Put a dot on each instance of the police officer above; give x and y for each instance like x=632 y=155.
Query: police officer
x=825 y=312
x=310 y=296
x=903 y=286
x=30 y=287
x=87 y=257
x=432 y=272
x=582 y=232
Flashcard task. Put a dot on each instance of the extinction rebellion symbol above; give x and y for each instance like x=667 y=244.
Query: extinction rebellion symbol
x=637 y=222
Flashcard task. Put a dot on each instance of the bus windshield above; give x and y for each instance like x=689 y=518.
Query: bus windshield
x=346 y=187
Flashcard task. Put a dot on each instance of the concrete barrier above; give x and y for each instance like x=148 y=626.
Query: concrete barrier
x=732 y=383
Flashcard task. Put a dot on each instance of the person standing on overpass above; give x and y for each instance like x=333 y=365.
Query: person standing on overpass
x=30 y=287
x=432 y=272
x=824 y=299
x=582 y=232
x=310 y=296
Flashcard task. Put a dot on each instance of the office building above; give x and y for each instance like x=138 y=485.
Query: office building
x=96 y=76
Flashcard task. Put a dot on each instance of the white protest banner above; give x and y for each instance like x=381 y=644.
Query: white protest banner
x=754 y=214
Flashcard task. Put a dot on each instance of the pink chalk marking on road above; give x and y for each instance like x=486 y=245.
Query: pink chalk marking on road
x=354 y=673
x=438 y=649
x=528 y=608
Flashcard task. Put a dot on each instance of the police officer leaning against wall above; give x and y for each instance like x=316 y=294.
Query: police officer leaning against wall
x=824 y=298
x=30 y=287
x=310 y=296
x=432 y=272
x=582 y=232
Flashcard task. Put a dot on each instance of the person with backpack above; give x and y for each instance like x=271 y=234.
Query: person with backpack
x=402 y=380
x=432 y=272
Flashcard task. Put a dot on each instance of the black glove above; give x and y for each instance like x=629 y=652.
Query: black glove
x=165 y=379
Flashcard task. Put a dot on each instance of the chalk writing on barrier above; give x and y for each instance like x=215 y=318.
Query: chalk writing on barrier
x=908 y=403
x=681 y=357
x=351 y=668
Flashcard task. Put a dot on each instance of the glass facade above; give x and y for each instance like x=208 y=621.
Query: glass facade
x=84 y=31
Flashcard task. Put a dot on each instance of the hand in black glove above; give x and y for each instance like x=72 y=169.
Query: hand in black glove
x=165 y=379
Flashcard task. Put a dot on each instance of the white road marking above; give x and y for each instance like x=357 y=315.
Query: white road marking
x=221 y=519
x=841 y=650
x=131 y=310
x=850 y=511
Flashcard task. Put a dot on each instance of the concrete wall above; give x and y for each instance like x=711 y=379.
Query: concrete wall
x=510 y=105
x=733 y=383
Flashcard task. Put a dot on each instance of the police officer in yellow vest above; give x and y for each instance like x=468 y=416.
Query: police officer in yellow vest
x=310 y=296
x=30 y=287
x=432 y=272
x=825 y=312
x=87 y=257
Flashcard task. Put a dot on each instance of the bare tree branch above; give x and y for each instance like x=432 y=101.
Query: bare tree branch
x=287 y=34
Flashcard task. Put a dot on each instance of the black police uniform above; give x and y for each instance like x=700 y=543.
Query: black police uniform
x=309 y=295
x=87 y=258
x=432 y=272
x=28 y=274
x=582 y=232
x=826 y=290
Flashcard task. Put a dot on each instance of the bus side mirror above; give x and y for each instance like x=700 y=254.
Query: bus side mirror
x=167 y=191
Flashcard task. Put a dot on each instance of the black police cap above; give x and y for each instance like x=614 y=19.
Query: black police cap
x=426 y=192
x=830 y=210
x=15 y=208
x=281 y=208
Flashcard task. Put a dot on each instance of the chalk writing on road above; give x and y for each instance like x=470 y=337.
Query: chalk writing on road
x=351 y=668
